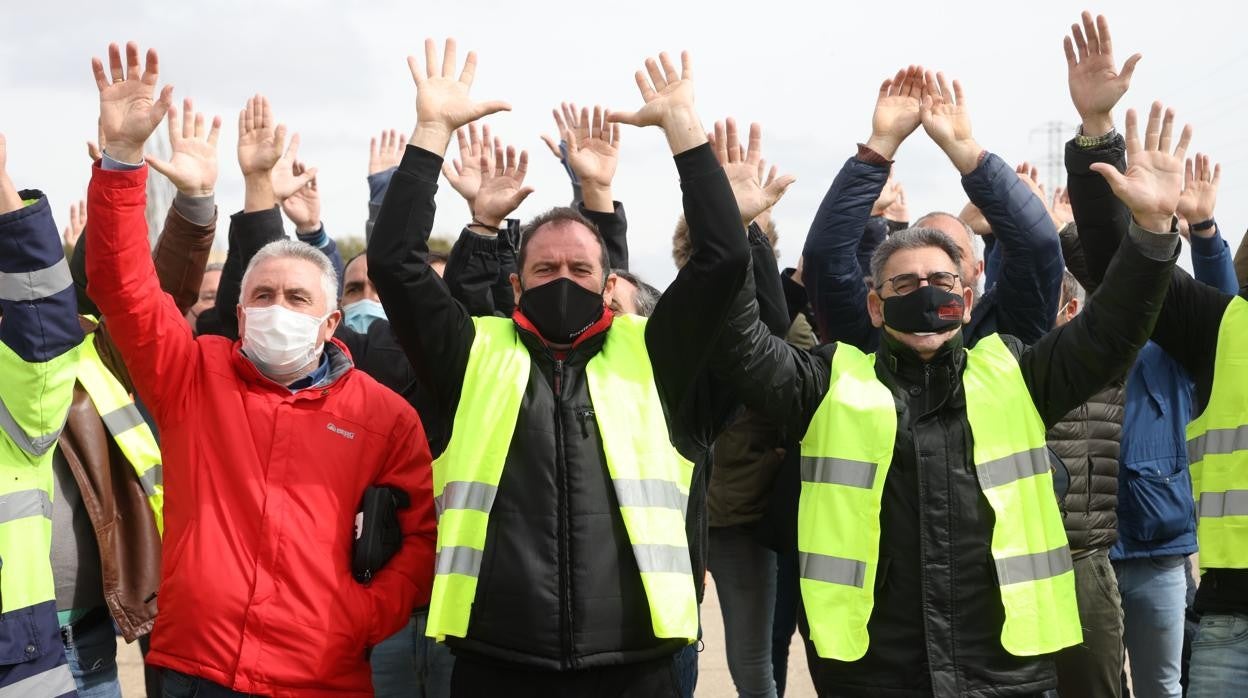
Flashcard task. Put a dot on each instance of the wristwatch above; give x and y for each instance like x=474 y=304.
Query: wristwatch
x=1094 y=141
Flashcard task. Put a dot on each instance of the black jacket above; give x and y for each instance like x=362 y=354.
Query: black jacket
x=937 y=617
x=1187 y=328
x=559 y=588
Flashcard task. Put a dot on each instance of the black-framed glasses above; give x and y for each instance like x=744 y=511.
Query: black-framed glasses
x=908 y=283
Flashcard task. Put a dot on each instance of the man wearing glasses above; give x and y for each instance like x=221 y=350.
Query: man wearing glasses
x=932 y=555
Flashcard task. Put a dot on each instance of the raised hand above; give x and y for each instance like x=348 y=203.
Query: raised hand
x=502 y=186
x=1060 y=209
x=193 y=165
x=594 y=154
x=1200 y=191
x=888 y=196
x=385 y=151
x=897 y=111
x=563 y=121
x=289 y=175
x=972 y=216
x=128 y=114
x=897 y=211
x=1095 y=83
x=1153 y=182
x=948 y=122
x=10 y=200
x=77 y=224
x=442 y=101
x=260 y=139
x=476 y=154
x=745 y=170
x=668 y=103
x=303 y=207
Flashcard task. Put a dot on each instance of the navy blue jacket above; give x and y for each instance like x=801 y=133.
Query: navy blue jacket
x=1023 y=301
x=1156 y=513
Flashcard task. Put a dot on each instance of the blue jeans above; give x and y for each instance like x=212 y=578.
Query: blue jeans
x=1220 y=657
x=409 y=665
x=175 y=684
x=1154 y=596
x=745 y=581
x=91 y=651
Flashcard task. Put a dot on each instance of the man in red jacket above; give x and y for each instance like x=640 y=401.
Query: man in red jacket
x=269 y=444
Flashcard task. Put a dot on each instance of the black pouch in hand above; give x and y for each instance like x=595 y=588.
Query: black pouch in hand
x=377 y=534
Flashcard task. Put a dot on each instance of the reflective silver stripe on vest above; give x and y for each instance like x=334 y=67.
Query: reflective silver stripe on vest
x=122 y=419
x=22 y=286
x=154 y=476
x=458 y=559
x=459 y=494
x=23 y=504
x=36 y=446
x=650 y=493
x=838 y=471
x=1003 y=471
x=56 y=681
x=1215 y=505
x=1217 y=442
x=1029 y=568
x=833 y=570
x=653 y=557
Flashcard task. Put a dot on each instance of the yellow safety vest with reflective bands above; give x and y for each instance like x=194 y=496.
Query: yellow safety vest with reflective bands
x=1217 y=449
x=846 y=454
x=651 y=479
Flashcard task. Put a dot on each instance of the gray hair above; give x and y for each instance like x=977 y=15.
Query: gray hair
x=977 y=241
x=214 y=266
x=912 y=239
x=1071 y=289
x=647 y=296
x=295 y=249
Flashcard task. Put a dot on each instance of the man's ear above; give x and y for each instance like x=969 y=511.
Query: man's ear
x=608 y=289
x=516 y=290
x=968 y=299
x=875 y=308
x=332 y=324
x=242 y=319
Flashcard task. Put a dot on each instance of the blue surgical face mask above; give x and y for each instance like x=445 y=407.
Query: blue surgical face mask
x=360 y=314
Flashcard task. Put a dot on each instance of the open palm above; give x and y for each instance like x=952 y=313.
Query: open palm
x=128 y=111
x=1153 y=182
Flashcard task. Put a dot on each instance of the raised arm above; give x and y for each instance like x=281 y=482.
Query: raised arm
x=434 y=329
x=303 y=208
x=384 y=154
x=39 y=330
x=1211 y=257
x=832 y=273
x=593 y=154
x=152 y=335
x=1072 y=363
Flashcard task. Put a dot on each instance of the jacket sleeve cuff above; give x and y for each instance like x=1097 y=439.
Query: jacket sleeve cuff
x=871 y=157
x=475 y=242
x=1159 y=247
x=198 y=210
x=696 y=162
x=317 y=238
x=1212 y=246
x=108 y=162
x=421 y=163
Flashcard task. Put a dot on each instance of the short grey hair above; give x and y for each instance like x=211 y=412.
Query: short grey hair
x=647 y=296
x=912 y=239
x=295 y=249
x=977 y=241
x=1071 y=289
x=214 y=266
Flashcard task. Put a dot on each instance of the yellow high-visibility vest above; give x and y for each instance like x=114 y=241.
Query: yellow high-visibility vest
x=651 y=479
x=126 y=425
x=846 y=454
x=1217 y=449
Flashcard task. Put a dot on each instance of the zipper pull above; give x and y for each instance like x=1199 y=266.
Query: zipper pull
x=558 y=377
x=582 y=415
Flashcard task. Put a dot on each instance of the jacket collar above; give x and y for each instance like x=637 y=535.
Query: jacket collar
x=340 y=365
x=595 y=332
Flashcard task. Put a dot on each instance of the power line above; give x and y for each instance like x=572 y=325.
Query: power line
x=1054 y=165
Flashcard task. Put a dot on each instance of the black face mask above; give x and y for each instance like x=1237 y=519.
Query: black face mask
x=926 y=309
x=561 y=309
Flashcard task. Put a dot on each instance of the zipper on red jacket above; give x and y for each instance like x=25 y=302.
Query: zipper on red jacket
x=565 y=562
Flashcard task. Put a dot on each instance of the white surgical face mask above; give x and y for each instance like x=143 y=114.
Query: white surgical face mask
x=281 y=341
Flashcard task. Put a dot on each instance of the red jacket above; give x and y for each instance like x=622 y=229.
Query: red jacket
x=261 y=487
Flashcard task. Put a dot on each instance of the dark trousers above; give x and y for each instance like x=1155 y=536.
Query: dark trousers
x=784 y=623
x=175 y=684
x=653 y=679
x=1094 y=668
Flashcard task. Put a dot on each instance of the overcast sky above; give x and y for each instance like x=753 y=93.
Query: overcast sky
x=809 y=72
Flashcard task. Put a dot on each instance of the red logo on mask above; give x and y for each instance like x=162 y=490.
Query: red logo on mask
x=950 y=311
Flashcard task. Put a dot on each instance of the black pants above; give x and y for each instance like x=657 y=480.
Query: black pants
x=653 y=679
x=1094 y=667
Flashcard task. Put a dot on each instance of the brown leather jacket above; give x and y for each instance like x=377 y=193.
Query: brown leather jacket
x=115 y=502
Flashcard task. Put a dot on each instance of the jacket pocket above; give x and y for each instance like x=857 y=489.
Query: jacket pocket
x=1158 y=505
x=19 y=639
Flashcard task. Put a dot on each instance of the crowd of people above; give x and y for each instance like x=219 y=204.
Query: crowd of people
x=972 y=454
